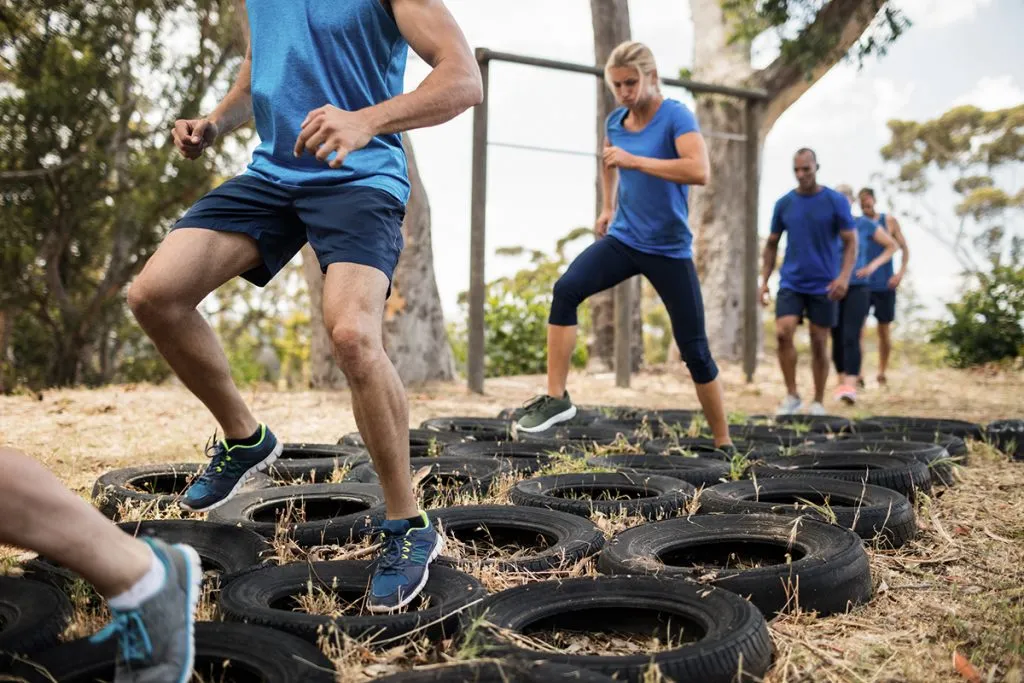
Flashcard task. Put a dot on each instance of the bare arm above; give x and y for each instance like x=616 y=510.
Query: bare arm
x=837 y=288
x=453 y=84
x=692 y=167
x=769 y=257
x=236 y=107
x=897 y=234
x=889 y=248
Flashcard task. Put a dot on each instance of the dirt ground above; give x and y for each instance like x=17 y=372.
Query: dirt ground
x=947 y=607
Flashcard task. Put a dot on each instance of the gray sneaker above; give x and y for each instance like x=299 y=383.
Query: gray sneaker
x=544 y=412
x=157 y=640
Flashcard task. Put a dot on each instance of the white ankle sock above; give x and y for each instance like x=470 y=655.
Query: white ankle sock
x=145 y=588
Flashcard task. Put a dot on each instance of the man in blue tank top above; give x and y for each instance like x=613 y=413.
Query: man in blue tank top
x=324 y=82
x=815 y=273
x=883 y=283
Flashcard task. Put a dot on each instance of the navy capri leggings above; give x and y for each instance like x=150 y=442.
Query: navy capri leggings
x=607 y=262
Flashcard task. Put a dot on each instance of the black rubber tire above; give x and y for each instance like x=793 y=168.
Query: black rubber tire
x=666 y=496
x=1007 y=436
x=252 y=598
x=525 y=458
x=735 y=635
x=902 y=474
x=477 y=428
x=170 y=481
x=821 y=424
x=32 y=616
x=359 y=505
x=498 y=671
x=255 y=652
x=872 y=512
x=830 y=574
x=954 y=445
x=569 y=538
x=630 y=426
x=706 y=448
x=896 y=423
x=422 y=442
x=225 y=550
x=465 y=475
x=585 y=436
x=935 y=457
x=694 y=470
x=316 y=471
x=781 y=436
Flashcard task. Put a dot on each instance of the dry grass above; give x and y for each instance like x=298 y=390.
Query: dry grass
x=958 y=588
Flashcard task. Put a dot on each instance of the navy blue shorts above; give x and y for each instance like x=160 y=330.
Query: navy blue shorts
x=884 y=305
x=819 y=309
x=343 y=223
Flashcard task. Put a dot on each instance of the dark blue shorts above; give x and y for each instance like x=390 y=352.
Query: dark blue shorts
x=884 y=305
x=819 y=309
x=343 y=223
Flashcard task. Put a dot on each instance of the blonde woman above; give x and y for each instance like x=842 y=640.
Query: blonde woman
x=653 y=152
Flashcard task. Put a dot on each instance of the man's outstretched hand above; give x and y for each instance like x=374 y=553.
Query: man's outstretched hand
x=329 y=129
x=192 y=136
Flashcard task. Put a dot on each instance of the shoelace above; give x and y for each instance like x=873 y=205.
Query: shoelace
x=391 y=549
x=218 y=457
x=537 y=401
x=133 y=639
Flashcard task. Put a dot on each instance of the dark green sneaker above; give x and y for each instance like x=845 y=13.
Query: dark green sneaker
x=544 y=412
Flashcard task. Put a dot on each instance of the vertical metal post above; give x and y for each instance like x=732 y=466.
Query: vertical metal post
x=750 y=269
x=477 y=236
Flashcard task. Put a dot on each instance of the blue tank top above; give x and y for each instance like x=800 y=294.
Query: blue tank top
x=865 y=239
x=879 y=280
x=308 y=53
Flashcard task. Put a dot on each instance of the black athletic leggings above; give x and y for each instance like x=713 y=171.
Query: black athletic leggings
x=853 y=313
x=607 y=262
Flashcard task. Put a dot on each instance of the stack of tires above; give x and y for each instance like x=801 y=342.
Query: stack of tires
x=708 y=544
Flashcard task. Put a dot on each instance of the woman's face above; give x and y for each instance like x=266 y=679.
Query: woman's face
x=630 y=87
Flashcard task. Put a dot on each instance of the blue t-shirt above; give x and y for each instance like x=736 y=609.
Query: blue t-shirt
x=865 y=239
x=879 y=280
x=652 y=214
x=813 y=253
x=308 y=53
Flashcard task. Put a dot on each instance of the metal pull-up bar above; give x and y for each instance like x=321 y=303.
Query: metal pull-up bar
x=478 y=230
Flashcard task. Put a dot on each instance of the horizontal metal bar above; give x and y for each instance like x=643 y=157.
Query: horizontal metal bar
x=484 y=54
x=580 y=153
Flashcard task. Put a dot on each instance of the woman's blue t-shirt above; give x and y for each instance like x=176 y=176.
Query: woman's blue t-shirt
x=652 y=215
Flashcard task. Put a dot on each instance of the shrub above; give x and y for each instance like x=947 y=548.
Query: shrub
x=988 y=322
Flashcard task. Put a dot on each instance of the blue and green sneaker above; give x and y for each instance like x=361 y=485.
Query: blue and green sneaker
x=228 y=469
x=401 y=571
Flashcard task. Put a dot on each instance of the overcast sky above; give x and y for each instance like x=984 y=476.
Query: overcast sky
x=957 y=51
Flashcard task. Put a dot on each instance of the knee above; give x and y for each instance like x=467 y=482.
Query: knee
x=565 y=301
x=697 y=356
x=819 y=339
x=784 y=336
x=355 y=348
x=566 y=291
x=149 y=302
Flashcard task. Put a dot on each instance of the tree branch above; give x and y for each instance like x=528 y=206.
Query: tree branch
x=841 y=22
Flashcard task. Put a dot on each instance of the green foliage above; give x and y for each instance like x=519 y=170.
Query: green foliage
x=988 y=322
x=810 y=30
x=516 y=313
x=975 y=153
x=88 y=181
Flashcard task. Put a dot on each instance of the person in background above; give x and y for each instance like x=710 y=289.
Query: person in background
x=815 y=273
x=653 y=152
x=883 y=283
x=853 y=308
x=151 y=588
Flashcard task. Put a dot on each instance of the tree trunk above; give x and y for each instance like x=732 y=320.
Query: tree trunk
x=414 y=330
x=610 y=19
x=719 y=208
